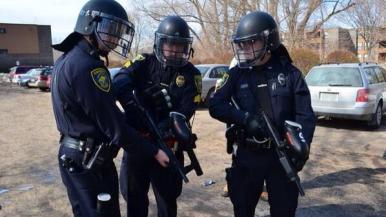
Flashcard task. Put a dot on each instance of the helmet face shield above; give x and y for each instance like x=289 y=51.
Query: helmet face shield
x=114 y=34
x=249 y=50
x=172 y=50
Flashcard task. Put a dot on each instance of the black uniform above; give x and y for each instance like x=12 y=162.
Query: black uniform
x=282 y=92
x=137 y=172
x=85 y=109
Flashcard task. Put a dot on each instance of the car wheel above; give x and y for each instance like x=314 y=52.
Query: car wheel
x=43 y=89
x=208 y=97
x=376 y=119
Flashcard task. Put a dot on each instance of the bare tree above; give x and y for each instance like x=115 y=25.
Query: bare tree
x=212 y=22
x=368 y=17
x=298 y=14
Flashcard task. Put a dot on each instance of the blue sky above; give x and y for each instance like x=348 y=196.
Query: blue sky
x=60 y=14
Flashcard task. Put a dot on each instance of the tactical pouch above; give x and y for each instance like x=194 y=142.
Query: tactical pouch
x=88 y=150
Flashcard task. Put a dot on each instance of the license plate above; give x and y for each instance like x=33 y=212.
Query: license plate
x=329 y=97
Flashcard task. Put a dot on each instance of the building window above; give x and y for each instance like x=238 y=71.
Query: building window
x=3 y=51
x=2 y=30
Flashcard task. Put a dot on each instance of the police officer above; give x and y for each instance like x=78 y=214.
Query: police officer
x=165 y=81
x=264 y=79
x=91 y=125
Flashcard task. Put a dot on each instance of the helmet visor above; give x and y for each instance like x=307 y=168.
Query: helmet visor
x=249 y=50
x=115 y=34
x=173 y=50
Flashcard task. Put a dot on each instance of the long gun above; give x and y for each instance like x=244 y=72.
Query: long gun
x=157 y=135
x=184 y=135
x=279 y=148
x=194 y=164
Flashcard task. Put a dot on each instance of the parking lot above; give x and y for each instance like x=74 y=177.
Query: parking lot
x=345 y=175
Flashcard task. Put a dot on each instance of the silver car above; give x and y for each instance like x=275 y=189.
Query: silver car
x=352 y=91
x=210 y=73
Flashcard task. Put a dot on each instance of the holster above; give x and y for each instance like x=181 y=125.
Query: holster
x=234 y=136
x=96 y=154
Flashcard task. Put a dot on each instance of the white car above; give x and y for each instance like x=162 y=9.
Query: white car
x=351 y=91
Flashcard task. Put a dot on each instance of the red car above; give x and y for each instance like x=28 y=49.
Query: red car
x=41 y=79
x=49 y=82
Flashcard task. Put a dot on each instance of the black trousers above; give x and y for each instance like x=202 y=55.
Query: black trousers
x=246 y=180
x=83 y=186
x=135 y=178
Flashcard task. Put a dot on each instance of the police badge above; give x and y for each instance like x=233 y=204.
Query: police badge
x=281 y=79
x=180 y=81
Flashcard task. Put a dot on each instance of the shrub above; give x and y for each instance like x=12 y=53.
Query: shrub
x=341 y=56
x=304 y=59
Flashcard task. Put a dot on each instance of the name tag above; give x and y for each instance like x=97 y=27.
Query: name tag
x=262 y=85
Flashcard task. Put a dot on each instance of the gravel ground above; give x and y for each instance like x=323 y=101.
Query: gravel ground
x=345 y=175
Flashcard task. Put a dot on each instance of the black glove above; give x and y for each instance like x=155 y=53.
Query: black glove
x=159 y=96
x=164 y=124
x=255 y=126
x=297 y=163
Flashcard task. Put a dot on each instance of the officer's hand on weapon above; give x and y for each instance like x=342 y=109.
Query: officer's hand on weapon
x=255 y=126
x=162 y=158
x=159 y=96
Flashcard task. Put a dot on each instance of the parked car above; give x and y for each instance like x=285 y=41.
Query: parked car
x=352 y=91
x=49 y=77
x=23 y=79
x=40 y=80
x=16 y=71
x=210 y=73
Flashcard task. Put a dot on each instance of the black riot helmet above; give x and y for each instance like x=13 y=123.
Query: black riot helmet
x=172 y=43
x=107 y=24
x=256 y=34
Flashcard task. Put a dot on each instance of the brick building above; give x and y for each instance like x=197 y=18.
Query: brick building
x=26 y=44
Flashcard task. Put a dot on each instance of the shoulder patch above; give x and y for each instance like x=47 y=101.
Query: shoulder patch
x=198 y=82
x=139 y=57
x=127 y=64
x=101 y=79
x=222 y=81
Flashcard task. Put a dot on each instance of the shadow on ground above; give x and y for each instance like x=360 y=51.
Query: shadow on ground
x=359 y=175
x=350 y=124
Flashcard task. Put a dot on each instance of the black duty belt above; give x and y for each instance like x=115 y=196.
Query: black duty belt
x=257 y=145
x=73 y=143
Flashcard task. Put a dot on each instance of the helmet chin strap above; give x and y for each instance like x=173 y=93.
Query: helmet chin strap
x=94 y=42
x=260 y=60
x=266 y=51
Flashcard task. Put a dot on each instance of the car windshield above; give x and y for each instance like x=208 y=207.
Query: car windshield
x=334 y=76
x=202 y=69
x=46 y=71
x=34 y=72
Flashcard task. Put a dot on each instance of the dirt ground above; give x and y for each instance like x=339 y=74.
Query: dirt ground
x=345 y=175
